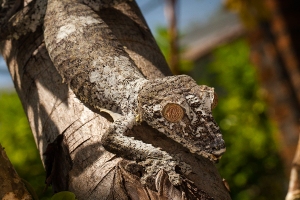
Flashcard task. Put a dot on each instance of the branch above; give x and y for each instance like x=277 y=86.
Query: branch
x=12 y=186
x=170 y=12
x=294 y=184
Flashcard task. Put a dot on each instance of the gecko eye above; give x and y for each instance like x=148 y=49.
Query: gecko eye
x=173 y=112
x=215 y=101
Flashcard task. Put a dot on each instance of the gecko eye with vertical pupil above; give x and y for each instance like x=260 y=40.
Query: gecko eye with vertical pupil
x=173 y=112
x=215 y=101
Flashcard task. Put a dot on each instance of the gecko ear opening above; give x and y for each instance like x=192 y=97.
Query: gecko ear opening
x=173 y=112
x=215 y=101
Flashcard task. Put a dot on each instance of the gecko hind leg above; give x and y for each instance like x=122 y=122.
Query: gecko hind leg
x=151 y=158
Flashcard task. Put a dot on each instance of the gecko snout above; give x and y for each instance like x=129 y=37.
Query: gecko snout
x=219 y=153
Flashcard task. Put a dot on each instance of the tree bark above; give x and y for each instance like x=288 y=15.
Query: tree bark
x=12 y=186
x=69 y=131
x=294 y=184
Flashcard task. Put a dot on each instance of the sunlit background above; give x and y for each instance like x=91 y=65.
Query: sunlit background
x=214 y=50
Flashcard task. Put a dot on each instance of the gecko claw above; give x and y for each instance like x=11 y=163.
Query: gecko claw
x=152 y=167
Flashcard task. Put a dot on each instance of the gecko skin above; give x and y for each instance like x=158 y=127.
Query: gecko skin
x=99 y=71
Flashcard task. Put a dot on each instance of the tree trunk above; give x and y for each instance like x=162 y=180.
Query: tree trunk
x=68 y=132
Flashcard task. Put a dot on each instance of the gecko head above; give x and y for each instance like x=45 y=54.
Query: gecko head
x=182 y=110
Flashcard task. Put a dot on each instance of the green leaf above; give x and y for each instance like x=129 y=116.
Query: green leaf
x=65 y=195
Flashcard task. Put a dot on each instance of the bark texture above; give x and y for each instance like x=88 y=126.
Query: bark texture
x=57 y=117
x=294 y=184
x=11 y=185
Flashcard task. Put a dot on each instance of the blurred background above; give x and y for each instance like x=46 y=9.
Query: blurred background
x=248 y=51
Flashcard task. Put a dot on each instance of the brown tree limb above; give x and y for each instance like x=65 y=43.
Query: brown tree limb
x=281 y=31
x=171 y=15
x=294 y=184
x=12 y=186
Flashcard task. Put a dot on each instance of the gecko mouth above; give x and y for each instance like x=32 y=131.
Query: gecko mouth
x=219 y=153
x=214 y=156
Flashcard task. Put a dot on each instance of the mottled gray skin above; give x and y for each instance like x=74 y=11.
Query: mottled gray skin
x=15 y=23
x=197 y=130
x=96 y=67
x=17 y=20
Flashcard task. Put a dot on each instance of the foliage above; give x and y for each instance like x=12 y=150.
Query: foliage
x=65 y=195
x=250 y=11
x=17 y=139
x=251 y=164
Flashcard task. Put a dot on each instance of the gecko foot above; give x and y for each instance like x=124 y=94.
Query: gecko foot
x=152 y=166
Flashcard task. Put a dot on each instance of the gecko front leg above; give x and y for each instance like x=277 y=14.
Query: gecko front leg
x=151 y=158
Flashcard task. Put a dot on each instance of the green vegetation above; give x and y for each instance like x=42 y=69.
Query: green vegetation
x=65 y=195
x=251 y=12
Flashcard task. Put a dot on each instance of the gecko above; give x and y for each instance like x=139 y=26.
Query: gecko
x=100 y=72
x=96 y=67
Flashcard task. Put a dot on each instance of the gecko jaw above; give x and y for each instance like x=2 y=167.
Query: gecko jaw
x=219 y=153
